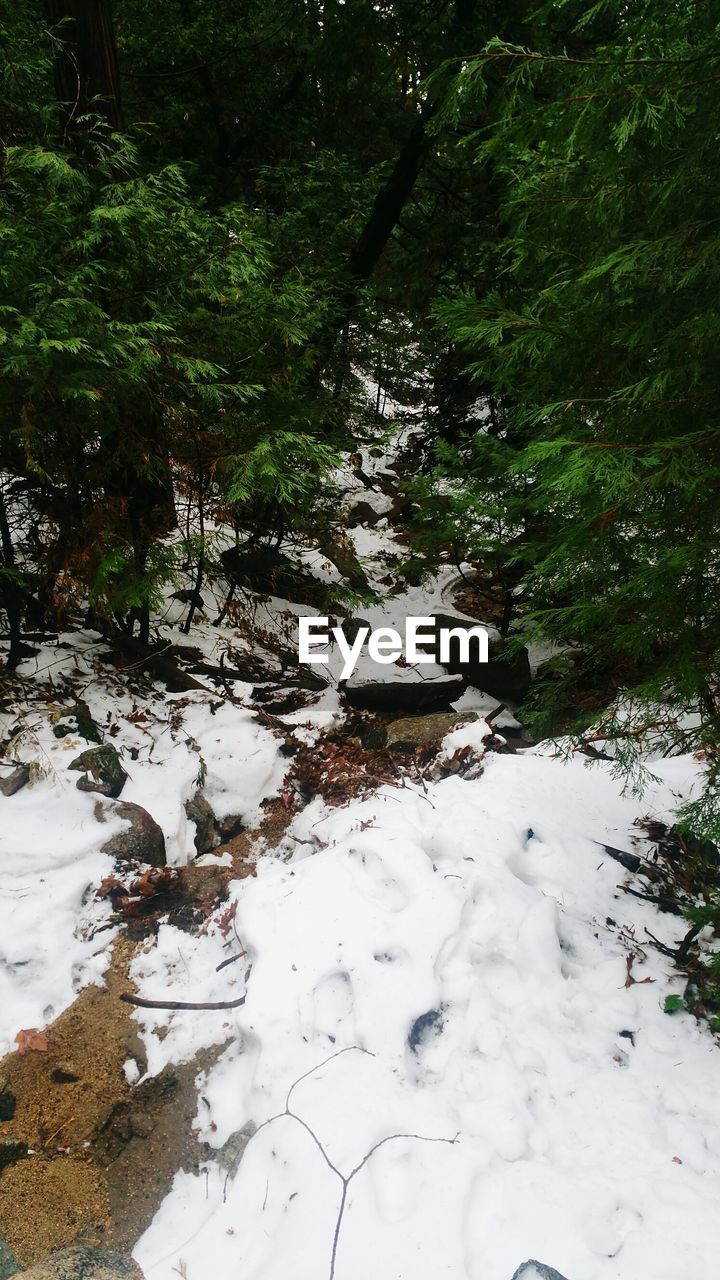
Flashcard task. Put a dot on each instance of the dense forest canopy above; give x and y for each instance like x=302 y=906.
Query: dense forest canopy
x=215 y=220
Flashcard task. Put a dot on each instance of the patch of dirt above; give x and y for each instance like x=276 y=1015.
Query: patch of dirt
x=245 y=847
x=183 y=896
x=147 y=1137
x=102 y=1153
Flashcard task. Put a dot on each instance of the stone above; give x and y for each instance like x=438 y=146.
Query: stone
x=200 y=812
x=532 y=1270
x=16 y=780
x=9 y=1265
x=268 y=571
x=424 y=731
x=363 y=513
x=80 y=1263
x=350 y=627
x=231 y=1153
x=12 y=1150
x=142 y=841
x=433 y=694
x=506 y=675
x=107 y=776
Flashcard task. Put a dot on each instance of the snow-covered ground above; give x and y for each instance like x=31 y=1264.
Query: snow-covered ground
x=451 y=965
x=453 y=1054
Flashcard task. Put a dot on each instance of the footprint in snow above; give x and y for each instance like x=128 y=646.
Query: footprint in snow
x=333 y=1002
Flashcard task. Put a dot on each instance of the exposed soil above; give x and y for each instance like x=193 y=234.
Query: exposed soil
x=102 y=1154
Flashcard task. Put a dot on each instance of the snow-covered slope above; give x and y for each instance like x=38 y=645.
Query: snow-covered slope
x=451 y=966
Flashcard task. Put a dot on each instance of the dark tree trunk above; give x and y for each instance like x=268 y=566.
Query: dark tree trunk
x=387 y=208
x=86 y=68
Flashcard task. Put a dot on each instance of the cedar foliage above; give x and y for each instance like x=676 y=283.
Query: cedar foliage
x=504 y=213
x=594 y=328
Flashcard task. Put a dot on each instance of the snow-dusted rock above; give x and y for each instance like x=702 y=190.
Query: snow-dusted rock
x=403 y=694
x=101 y=769
x=143 y=840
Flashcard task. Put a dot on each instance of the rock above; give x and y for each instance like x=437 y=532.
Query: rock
x=424 y=731
x=350 y=627
x=340 y=551
x=532 y=1270
x=84 y=1264
x=269 y=572
x=200 y=812
x=9 y=1265
x=12 y=1150
x=435 y=694
x=506 y=675
x=103 y=764
x=363 y=513
x=231 y=1153
x=143 y=841
x=16 y=780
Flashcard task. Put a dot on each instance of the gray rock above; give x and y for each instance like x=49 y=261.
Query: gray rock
x=142 y=841
x=434 y=694
x=231 y=1153
x=84 y=1264
x=350 y=627
x=269 y=572
x=506 y=675
x=9 y=1265
x=107 y=775
x=363 y=513
x=532 y=1270
x=200 y=812
x=424 y=731
x=16 y=780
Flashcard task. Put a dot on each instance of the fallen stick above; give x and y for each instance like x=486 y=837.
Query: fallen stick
x=182 y=1004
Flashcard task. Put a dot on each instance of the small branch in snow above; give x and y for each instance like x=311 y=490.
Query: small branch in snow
x=345 y=1178
x=230 y=960
x=182 y=1004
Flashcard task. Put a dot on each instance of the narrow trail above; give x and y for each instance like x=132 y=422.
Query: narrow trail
x=447 y=1053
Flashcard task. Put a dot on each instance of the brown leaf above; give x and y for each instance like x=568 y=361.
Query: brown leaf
x=29 y=1039
x=109 y=885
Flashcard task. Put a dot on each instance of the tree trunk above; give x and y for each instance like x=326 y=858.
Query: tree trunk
x=86 y=68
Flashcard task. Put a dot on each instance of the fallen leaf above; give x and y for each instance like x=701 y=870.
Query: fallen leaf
x=30 y=1038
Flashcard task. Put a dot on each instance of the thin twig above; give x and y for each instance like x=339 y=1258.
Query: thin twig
x=182 y=1004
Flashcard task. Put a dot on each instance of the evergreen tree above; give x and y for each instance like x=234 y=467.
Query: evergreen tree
x=595 y=329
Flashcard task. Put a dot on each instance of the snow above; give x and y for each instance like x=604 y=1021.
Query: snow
x=459 y=956
x=445 y=1065
x=54 y=933
x=50 y=946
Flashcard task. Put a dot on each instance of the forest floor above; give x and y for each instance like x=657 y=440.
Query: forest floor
x=443 y=1048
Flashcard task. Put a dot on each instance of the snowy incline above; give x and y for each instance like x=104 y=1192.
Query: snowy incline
x=450 y=965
